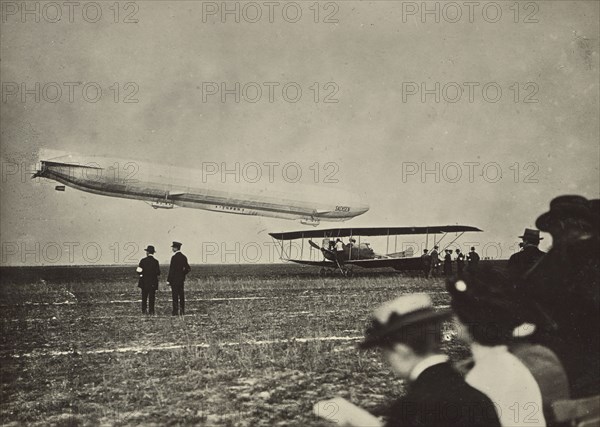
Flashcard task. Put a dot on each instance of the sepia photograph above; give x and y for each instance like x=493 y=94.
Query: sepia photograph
x=300 y=213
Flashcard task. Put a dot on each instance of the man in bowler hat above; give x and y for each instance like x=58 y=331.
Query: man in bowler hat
x=565 y=286
x=408 y=330
x=178 y=269
x=520 y=262
x=149 y=270
x=473 y=259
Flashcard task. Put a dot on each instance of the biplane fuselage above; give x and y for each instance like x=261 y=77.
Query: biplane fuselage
x=350 y=252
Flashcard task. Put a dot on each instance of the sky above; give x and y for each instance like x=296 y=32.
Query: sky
x=433 y=112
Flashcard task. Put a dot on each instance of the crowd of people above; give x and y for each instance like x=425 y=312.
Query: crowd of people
x=431 y=261
x=532 y=331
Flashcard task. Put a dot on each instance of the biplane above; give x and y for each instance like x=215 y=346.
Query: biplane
x=360 y=254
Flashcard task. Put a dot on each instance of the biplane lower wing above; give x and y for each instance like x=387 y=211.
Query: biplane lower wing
x=400 y=264
x=329 y=264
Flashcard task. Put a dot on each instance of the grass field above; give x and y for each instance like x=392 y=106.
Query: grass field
x=258 y=346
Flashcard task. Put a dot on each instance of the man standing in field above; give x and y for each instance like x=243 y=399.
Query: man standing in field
x=434 y=262
x=149 y=270
x=460 y=262
x=426 y=259
x=178 y=269
x=473 y=259
x=448 y=263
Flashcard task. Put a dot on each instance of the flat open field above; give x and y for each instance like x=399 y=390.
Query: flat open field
x=258 y=346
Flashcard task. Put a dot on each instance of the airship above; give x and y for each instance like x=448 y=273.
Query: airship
x=166 y=187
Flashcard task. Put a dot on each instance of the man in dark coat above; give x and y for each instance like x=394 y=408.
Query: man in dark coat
x=426 y=260
x=409 y=331
x=460 y=262
x=448 y=263
x=522 y=261
x=472 y=259
x=178 y=269
x=149 y=270
x=565 y=286
x=434 y=262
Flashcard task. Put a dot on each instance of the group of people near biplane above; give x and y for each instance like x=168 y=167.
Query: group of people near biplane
x=532 y=330
x=432 y=262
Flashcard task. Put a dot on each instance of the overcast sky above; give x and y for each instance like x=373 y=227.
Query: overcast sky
x=373 y=58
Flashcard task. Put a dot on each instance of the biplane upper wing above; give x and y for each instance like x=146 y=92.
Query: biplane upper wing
x=371 y=231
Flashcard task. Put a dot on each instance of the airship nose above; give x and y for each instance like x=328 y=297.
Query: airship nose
x=363 y=204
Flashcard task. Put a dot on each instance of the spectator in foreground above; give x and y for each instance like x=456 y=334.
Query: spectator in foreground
x=565 y=286
x=486 y=319
x=409 y=332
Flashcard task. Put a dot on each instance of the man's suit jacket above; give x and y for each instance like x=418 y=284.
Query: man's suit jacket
x=441 y=397
x=434 y=257
x=565 y=284
x=178 y=269
x=150 y=273
x=521 y=262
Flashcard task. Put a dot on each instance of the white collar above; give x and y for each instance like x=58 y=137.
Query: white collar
x=428 y=362
x=481 y=352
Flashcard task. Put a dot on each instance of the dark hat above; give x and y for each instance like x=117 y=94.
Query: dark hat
x=436 y=247
x=565 y=207
x=472 y=248
x=392 y=316
x=531 y=235
x=176 y=245
x=487 y=295
x=150 y=249
x=594 y=205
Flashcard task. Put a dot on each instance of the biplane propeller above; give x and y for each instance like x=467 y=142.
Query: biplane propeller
x=330 y=255
x=361 y=254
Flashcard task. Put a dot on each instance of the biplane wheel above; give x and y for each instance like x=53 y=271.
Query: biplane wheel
x=323 y=272
x=348 y=272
